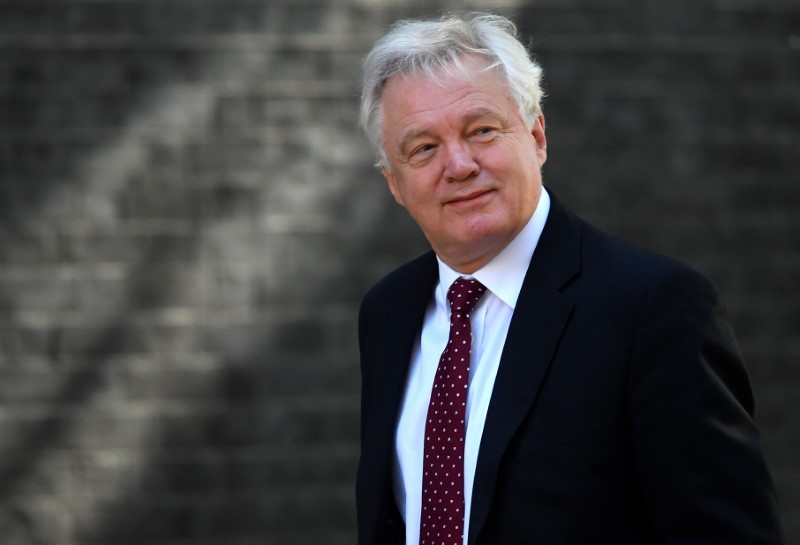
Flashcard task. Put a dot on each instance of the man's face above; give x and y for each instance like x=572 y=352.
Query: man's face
x=463 y=163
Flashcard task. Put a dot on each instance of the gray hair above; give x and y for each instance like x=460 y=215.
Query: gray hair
x=435 y=47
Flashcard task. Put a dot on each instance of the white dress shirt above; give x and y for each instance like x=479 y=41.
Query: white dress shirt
x=503 y=277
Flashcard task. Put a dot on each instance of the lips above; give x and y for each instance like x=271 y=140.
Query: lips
x=468 y=198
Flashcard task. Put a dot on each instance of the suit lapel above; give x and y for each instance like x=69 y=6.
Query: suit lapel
x=406 y=314
x=403 y=313
x=540 y=317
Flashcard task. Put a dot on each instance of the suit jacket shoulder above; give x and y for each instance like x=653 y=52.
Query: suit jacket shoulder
x=397 y=300
x=406 y=279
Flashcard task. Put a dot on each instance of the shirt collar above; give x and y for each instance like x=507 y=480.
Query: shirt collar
x=504 y=274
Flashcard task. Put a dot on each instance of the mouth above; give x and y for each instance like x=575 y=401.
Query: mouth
x=470 y=198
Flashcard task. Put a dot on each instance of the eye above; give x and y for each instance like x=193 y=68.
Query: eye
x=484 y=133
x=423 y=149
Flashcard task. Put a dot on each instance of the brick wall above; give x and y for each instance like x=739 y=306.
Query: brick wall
x=188 y=218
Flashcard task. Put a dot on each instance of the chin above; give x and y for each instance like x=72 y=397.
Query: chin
x=485 y=228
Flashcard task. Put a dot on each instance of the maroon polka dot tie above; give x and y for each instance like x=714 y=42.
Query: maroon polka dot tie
x=442 y=520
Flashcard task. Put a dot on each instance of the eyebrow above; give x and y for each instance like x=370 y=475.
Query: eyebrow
x=409 y=137
x=484 y=112
x=467 y=119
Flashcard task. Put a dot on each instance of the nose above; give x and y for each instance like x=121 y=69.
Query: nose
x=459 y=162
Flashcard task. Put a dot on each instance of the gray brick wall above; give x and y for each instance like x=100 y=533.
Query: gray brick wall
x=188 y=218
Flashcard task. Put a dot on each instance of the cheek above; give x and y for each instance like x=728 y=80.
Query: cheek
x=421 y=188
x=421 y=205
x=504 y=159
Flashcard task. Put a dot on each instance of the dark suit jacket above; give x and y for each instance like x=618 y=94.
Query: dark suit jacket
x=621 y=413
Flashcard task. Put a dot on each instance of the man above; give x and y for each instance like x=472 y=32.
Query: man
x=598 y=396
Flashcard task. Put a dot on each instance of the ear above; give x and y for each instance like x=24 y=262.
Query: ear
x=538 y=136
x=391 y=181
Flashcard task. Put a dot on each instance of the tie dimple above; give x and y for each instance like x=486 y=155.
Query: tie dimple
x=442 y=521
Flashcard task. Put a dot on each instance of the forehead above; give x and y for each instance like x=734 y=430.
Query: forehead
x=413 y=99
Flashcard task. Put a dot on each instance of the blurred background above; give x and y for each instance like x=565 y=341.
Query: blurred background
x=189 y=217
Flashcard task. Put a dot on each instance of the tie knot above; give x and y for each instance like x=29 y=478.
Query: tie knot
x=464 y=294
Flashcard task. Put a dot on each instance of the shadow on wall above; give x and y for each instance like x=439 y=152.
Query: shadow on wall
x=182 y=208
